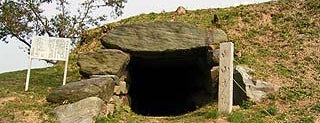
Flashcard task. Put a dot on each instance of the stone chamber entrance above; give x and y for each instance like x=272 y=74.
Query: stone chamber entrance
x=169 y=86
x=158 y=69
x=169 y=69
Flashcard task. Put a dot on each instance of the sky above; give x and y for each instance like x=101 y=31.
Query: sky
x=13 y=58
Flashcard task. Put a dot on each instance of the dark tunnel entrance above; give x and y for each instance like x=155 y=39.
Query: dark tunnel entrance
x=168 y=87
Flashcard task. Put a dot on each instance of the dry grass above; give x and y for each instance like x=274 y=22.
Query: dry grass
x=280 y=40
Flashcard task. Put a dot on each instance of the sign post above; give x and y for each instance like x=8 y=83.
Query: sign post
x=225 y=94
x=49 y=48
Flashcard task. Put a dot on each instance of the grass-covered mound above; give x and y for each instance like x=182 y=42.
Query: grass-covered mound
x=279 y=39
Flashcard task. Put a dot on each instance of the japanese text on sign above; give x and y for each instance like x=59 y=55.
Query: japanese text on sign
x=50 y=48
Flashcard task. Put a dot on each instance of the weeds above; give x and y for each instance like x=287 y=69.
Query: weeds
x=271 y=109
x=236 y=117
x=246 y=104
x=306 y=119
x=246 y=117
x=284 y=70
x=214 y=114
x=317 y=107
x=107 y=120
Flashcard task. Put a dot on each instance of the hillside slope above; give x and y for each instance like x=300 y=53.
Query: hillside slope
x=279 y=39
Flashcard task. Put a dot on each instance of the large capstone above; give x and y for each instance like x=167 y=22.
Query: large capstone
x=156 y=39
x=169 y=69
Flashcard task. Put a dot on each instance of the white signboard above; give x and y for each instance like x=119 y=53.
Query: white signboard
x=49 y=48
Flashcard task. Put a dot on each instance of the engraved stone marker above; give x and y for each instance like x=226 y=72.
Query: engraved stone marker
x=225 y=77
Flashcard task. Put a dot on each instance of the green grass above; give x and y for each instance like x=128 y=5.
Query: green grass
x=317 y=107
x=214 y=114
x=278 y=39
x=246 y=117
x=283 y=70
x=271 y=109
x=236 y=117
x=107 y=120
x=246 y=104
x=247 y=59
x=23 y=104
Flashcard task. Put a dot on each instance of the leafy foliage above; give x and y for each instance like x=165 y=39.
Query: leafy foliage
x=21 y=19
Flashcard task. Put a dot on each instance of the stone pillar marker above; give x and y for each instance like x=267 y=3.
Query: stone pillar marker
x=225 y=94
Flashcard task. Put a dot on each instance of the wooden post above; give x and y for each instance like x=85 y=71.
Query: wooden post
x=225 y=94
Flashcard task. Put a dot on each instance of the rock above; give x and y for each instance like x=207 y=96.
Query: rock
x=217 y=36
x=125 y=100
x=110 y=109
x=103 y=62
x=214 y=56
x=75 y=91
x=236 y=107
x=181 y=10
x=123 y=87
x=215 y=73
x=256 y=90
x=215 y=78
x=124 y=78
x=84 y=111
x=114 y=77
x=157 y=39
x=116 y=90
x=116 y=100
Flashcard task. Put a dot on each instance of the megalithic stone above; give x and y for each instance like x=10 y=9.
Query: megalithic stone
x=225 y=94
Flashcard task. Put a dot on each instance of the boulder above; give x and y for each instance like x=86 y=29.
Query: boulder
x=214 y=56
x=181 y=10
x=103 y=62
x=114 y=77
x=123 y=87
x=116 y=90
x=75 y=91
x=110 y=109
x=256 y=90
x=217 y=36
x=83 y=111
x=157 y=39
x=215 y=78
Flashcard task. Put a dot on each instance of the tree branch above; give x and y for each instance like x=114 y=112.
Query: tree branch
x=87 y=7
x=62 y=19
x=18 y=37
x=22 y=40
x=46 y=28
